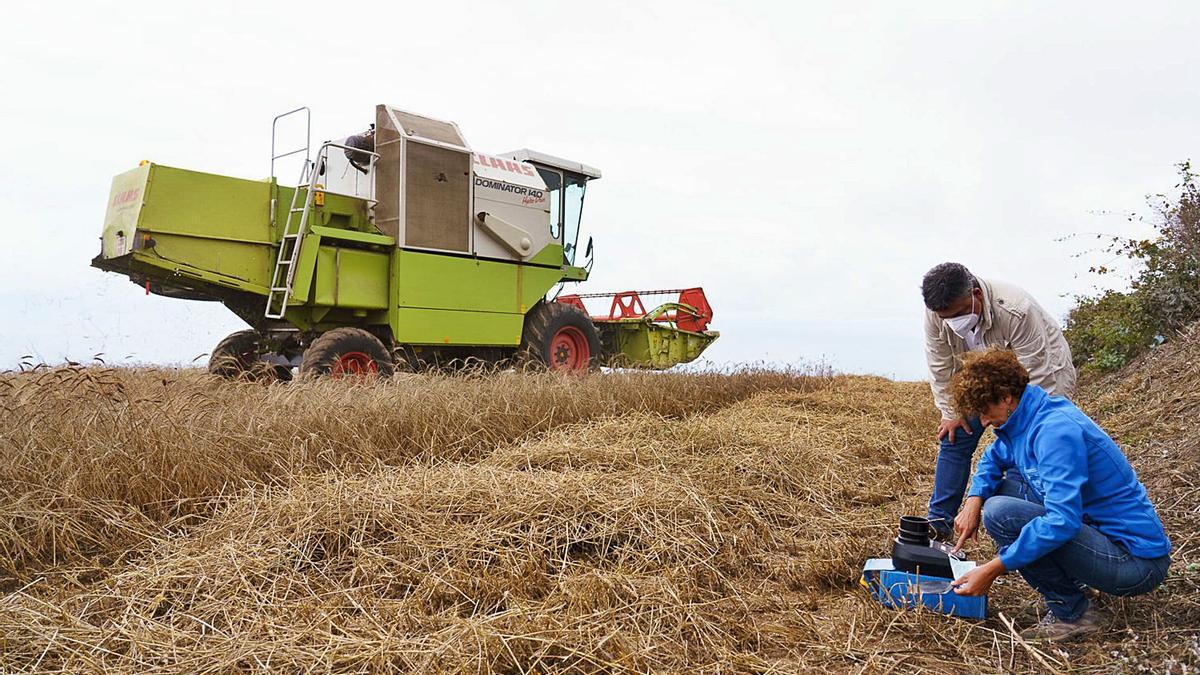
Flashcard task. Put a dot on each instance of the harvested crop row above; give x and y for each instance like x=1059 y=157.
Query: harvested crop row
x=626 y=543
x=92 y=459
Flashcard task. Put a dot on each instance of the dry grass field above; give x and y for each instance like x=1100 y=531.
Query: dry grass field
x=165 y=521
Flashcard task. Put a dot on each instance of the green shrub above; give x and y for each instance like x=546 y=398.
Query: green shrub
x=1108 y=330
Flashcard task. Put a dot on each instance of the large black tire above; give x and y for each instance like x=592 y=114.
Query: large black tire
x=240 y=355
x=560 y=338
x=347 y=352
x=236 y=355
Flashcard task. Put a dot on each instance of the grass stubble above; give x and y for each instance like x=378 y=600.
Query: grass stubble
x=514 y=522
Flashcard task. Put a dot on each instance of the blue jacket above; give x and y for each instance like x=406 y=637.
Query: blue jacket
x=1078 y=472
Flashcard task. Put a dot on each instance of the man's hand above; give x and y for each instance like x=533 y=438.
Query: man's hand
x=966 y=525
x=980 y=579
x=949 y=427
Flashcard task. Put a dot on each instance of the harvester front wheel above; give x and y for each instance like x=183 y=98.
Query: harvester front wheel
x=347 y=352
x=560 y=338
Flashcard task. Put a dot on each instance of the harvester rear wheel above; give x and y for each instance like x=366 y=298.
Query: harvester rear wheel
x=240 y=355
x=236 y=355
x=560 y=338
x=347 y=352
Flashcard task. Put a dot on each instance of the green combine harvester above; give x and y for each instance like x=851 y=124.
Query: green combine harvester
x=400 y=248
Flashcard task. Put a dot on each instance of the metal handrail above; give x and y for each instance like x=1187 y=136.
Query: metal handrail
x=323 y=153
x=289 y=154
x=307 y=135
x=306 y=150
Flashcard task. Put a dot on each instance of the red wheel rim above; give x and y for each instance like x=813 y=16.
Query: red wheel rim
x=354 y=364
x=569 y=350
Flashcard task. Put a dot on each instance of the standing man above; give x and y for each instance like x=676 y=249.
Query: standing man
x=966 y=314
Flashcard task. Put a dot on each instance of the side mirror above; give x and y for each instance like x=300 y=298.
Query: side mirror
x=588 y=253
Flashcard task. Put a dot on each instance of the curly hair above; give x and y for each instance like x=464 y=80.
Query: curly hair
x=986 y=378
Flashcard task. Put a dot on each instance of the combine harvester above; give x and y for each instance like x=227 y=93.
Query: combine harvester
x=401 y=247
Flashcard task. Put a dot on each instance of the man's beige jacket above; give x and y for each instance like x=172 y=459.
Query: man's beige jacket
x=1011 y=319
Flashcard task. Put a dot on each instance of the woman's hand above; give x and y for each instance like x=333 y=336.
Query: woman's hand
x=966 y=525
x=980 y=579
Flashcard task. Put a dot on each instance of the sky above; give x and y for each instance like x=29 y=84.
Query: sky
x=804 y=162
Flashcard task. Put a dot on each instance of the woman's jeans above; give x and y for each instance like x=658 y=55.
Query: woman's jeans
x=950 y=476
x=1090 y=559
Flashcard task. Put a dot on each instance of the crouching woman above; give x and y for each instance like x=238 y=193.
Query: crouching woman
x=1058 y=497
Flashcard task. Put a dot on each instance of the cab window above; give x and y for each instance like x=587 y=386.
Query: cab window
x=553 y=181
x=572 y=212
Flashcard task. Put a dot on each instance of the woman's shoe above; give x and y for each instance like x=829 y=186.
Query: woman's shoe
x=1052 y=629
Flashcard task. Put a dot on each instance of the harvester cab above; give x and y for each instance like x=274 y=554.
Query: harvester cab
x=566 y=184
x=399 y=245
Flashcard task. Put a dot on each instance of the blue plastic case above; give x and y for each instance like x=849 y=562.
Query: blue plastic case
x=903 y=590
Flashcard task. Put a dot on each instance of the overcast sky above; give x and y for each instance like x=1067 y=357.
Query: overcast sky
x=805 y=162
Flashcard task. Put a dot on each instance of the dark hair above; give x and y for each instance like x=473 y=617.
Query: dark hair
x=986 y=378
x=946 y=283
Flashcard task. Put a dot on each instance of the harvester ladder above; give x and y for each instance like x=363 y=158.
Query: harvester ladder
x=284 y=276
x=283 y=279
x=289 y=244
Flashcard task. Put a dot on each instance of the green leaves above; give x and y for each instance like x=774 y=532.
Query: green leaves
x=1109 y=330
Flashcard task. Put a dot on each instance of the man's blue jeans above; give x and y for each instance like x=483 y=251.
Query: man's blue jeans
x=1090 y=559
x=950 y=476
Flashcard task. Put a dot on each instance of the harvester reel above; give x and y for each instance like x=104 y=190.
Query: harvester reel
x=560 y=338
x=347 y=352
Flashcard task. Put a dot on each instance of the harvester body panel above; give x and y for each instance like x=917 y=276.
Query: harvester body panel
x=469 y=301
x=197 y=232
x=124 y=211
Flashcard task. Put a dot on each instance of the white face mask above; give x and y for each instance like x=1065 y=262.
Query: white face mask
x=966 y=324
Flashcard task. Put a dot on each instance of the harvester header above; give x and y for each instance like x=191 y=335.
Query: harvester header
x=399 y=246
